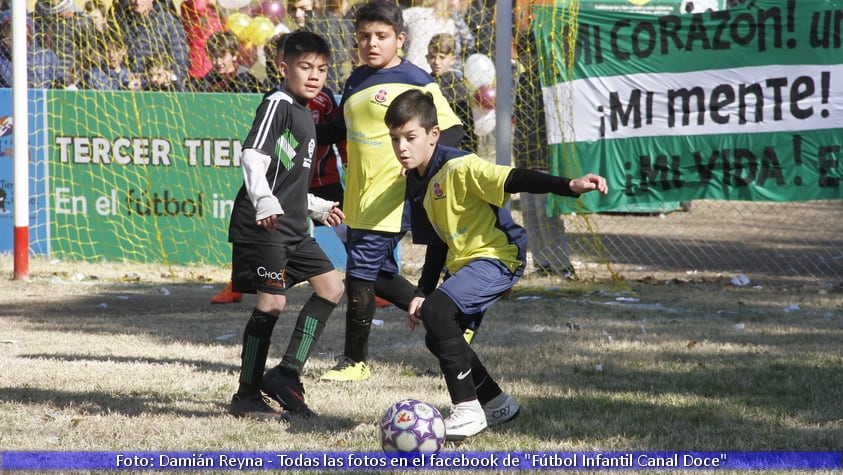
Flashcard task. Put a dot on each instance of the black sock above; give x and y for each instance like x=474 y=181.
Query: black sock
x=309 y=326
x=395 y=289
x=256 y=339
x=445 y=340
x=358 y=318
x=486 y=387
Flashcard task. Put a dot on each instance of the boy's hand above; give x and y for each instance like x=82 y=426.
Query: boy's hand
x=414 y=312
x=269 y=222
x=590 y=182
x=335 y=216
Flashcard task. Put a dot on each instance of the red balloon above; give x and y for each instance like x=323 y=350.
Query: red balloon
x=485 y=97
x=273 y=10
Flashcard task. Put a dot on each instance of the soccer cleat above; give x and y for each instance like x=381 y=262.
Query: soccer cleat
x=255 y=406
x=466 y=419
x=227 y=295
x=348 y=370
x=503 y=408
x=287 y=390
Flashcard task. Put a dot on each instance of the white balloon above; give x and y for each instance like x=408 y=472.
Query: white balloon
x=484 y=121
x=281 y=28
x=479 y=71
x=232 y=4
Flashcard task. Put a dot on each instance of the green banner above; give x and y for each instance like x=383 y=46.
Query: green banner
x=145 y=177
x=738 y=104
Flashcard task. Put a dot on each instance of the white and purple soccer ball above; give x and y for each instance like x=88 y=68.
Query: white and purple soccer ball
x=412 y=426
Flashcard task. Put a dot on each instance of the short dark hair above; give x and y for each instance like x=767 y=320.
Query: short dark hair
x=444 y=43
x=302 y=42
x=222 y=42
x=161 y=60
x=409 y=105
x=381 y=11
x=113 y=37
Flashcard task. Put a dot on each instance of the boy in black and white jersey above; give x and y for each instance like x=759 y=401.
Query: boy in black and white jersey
x=272 y=248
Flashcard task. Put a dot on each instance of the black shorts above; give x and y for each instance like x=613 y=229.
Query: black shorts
x=274 y=269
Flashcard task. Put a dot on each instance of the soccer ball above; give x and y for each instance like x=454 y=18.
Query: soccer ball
x=412 y=426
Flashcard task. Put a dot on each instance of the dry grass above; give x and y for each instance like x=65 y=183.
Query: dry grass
x=133 y=357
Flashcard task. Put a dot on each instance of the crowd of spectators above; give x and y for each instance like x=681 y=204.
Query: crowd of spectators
x=133 y=44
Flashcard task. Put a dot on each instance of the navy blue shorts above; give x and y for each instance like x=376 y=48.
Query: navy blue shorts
x=370 y=252
x=274 y=269
x=479 y=284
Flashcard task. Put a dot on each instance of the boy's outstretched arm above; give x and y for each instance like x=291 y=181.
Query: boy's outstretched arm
x=522 y=180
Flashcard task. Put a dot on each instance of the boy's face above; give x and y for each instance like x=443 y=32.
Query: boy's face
x=379 y=44
x=441 y=62
x=141 y=7
x=225 y=63
x=115 y=56
x=159 y=76
x=306 y=76
x=413 y=146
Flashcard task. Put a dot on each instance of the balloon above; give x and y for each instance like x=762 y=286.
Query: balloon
x=485 y=96
x=260 y=30
x=479 y=71
x=273 y=10
x=484 y=121
x=237 y=23
x=280 y=28
x=233 y=4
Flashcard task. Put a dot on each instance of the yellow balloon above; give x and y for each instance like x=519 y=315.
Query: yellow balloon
x=260 y=30
x=237 y=23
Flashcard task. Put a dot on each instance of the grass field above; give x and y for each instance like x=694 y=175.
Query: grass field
x=133 y=357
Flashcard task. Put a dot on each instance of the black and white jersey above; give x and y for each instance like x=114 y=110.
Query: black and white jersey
x=284 y=130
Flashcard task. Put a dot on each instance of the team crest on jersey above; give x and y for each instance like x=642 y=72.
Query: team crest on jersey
x=380 y=97
x=438 y=194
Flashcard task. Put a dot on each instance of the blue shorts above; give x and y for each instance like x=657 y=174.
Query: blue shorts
x=479 y=284
x=370 y=252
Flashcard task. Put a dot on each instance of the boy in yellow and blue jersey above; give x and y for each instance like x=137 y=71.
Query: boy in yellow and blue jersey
x=374 y=195
x=457 y=201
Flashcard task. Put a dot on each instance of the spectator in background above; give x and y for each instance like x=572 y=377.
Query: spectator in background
x=92 y=51
x=200 y=20
x=466 y=41
x=62 y=27
x=442 y=56
x=98 y=12
x=480 y=19
x=111 y=72
x=149 y=29
x=429 y=18
x=327 y=19
x=228 y=75
x=160 y=74
x=44 y=70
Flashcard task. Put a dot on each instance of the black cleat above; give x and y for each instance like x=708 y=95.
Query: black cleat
x=255 y=406
x=286 y=388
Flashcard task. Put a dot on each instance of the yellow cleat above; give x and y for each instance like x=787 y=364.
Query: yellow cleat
x=348 y=370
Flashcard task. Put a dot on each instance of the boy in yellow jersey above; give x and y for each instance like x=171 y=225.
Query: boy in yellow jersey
x=374 y=195
x=457 y=199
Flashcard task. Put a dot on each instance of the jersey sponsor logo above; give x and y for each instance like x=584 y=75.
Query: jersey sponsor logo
x=380 y=97
x=311 y=147
x=438 y=194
